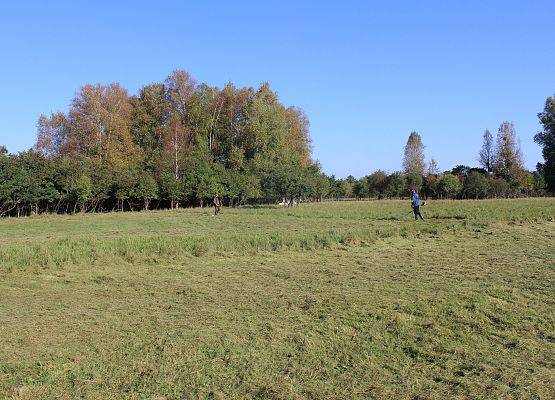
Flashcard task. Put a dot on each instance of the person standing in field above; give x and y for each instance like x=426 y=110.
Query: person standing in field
x=415 y=202
x=217 y=204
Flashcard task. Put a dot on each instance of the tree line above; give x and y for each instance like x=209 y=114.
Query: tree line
x=177 y=143
x=500 y=173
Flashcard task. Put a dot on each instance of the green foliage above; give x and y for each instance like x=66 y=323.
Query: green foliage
x=208 y=184
x=449 y=185
x=177 y=141
x=318 y=182
x=124 y=184
x=538 y=182
x=338 y=187
x=499 y=187
x=414 y=181
x=476 y=185
x=429 y=185
x=396 y=185
x=376 y=184
x=289 y=181
x=146 y=189
x=241 y=187
x=103 y=183
x=171 y=188
x=81 y=192
x=508 y=158
x=546 y=139
x=461 y=171
x=359 y=189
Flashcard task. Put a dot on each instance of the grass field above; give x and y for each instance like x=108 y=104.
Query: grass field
x=322 y=301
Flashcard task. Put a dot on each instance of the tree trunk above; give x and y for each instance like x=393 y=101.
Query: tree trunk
x=176 y=153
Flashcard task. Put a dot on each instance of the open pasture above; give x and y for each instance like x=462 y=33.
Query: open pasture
x=325 y=300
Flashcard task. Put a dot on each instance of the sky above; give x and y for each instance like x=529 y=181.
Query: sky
x=366 y=73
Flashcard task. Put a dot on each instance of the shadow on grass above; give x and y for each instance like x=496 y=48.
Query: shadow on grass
x=458 y=217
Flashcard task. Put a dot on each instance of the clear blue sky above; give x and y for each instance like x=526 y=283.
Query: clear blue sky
x=366 y=73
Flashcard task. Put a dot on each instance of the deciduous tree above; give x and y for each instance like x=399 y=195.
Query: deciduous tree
x=508 y=156
x=413 y=160
x=487 y=153
x=449 y=185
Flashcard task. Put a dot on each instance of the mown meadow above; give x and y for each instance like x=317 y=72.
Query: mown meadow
x=333 y=300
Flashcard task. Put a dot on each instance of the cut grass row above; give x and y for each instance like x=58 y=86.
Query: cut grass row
x=464 y=314
x=155 y=237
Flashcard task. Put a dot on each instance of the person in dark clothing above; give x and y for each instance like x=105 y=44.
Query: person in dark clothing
x=217 y=204
x=415 y=202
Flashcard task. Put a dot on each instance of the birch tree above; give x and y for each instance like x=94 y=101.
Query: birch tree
x=413 y=160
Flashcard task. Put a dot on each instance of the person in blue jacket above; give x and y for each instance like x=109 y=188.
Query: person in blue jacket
x=415 y=202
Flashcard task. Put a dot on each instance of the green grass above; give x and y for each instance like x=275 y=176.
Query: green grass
x=334 y=300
